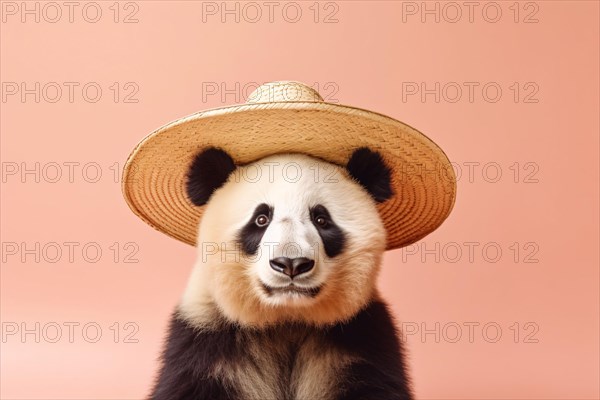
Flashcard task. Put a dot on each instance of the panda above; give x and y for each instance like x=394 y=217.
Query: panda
x=282 y=302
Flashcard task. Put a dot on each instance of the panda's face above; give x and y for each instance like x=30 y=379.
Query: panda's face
x=289 y=237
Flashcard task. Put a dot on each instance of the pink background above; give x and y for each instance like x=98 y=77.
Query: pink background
x=547 y=203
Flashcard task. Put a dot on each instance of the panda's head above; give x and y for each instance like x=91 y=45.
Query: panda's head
x=287 y=238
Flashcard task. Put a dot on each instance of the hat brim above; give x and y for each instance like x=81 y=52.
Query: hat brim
x=422 y=179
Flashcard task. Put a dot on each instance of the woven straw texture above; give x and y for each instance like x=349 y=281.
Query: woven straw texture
x=286 y=117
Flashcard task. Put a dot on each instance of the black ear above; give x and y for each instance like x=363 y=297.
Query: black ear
x=369 y=169
x=208 y=172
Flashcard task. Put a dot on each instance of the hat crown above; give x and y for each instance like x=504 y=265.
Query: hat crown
x=284 y=91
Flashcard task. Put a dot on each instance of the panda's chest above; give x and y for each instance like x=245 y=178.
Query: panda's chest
x=285 y=364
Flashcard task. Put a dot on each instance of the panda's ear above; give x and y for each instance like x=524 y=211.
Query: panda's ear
x=208 y=172
x=368 y=168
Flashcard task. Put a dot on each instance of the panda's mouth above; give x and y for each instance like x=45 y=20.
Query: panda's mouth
x=292 y=289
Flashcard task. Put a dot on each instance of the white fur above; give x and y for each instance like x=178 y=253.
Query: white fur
x=224 y=278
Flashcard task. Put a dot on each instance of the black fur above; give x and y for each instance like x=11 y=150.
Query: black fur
x=369 y=169
x=251 y=234
x=332 y=235
x=370 y=335
x=186 y=359
x=208 y=172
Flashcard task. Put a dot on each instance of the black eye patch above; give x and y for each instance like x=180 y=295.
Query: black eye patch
x=251 y=234
x=332 y=235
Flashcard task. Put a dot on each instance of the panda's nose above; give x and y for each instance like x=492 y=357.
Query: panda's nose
x=292 y=266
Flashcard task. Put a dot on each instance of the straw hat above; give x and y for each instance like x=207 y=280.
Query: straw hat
x=285 y=117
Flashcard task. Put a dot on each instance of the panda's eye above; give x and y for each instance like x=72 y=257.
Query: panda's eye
x=321 y=221
x=262 y=220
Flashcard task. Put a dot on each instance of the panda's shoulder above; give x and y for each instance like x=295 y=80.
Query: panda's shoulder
x=371 y=331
